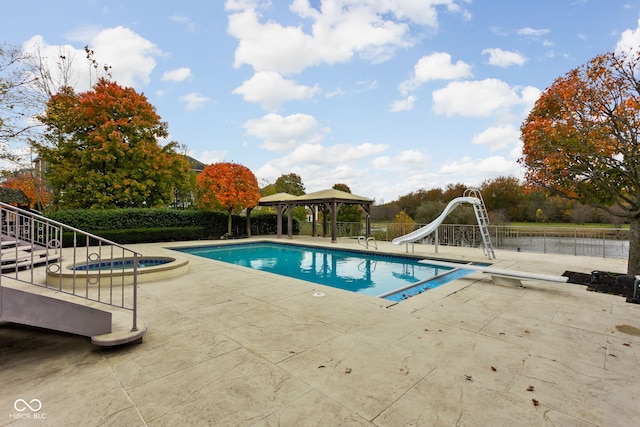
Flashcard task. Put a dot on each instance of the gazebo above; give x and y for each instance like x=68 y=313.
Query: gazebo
x=13 y=196
x=327 y=201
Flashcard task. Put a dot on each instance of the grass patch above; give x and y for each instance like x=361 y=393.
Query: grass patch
x=541 y=225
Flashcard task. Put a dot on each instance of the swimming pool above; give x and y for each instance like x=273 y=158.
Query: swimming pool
x=387 y=276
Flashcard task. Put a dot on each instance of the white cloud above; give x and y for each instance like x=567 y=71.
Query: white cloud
x=337 y=92
x=407 y=157
x=340 y=30
x=498 y=137
x=194 y=101
x=629 y=40
x=84 y=33
x=504 y=58
x=50 y=54
x=322 y=166
x=178 y=75
x=318 y=154
x=437 y=66
x=130 y=56
x=284 y=133
x=532 y=32
x=469 y=169
x=529 y=96
x=189 y=25
x=366 y=85
x=209 y=157
x=271 y=90
x=403 y=104
x=477 y=98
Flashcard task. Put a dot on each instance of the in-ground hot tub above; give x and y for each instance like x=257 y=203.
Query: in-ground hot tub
x=117 y=271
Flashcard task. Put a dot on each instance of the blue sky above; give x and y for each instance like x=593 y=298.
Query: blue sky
x=388 y=97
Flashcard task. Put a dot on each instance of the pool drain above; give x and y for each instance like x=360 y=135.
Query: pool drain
x=318 y=294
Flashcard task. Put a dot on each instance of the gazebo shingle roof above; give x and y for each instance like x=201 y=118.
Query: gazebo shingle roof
x=322 y=198
x=13 y=195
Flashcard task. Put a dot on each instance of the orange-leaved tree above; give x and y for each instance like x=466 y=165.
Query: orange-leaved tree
x=101 y=150
x=582 y=140
x=32 y=186
x=227 y=186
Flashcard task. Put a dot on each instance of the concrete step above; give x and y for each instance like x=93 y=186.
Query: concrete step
x=121 y=332
x=26 y=308
x=32 y=309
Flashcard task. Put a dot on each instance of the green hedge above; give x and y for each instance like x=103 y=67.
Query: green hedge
x=152 y=225
x=140 y=235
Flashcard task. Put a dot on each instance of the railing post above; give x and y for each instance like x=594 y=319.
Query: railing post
x=134 y=326
x=39 y=231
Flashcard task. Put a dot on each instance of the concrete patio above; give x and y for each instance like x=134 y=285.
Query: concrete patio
x=237 y=347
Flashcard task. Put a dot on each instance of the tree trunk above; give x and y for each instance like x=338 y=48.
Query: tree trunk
x=633 y=264
x=229 y=224
x=249 y=221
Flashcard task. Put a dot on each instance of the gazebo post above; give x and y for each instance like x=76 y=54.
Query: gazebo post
x=327 y=200
x=279 y=209
x=324 y=219
x=290 y=222
x=313 y=220
x=367 y=221
x=334 y=222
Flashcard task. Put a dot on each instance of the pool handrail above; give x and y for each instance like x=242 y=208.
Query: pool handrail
x=22 y=231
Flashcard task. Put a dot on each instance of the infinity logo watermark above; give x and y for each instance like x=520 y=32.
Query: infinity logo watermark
x=34 y=406
x=21 y=405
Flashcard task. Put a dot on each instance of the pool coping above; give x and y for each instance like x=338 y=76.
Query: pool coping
x=229 y=346
x=65 y=277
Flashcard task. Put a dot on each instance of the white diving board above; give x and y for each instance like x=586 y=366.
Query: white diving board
x=499 y=275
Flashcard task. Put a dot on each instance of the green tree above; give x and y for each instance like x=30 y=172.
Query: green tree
x=409 y=203
x=452 y=191
x=348 y=213
x=503 y=197
x=430 y=210
x=268 y=190
x=290 y=183
x=581 y=140
x=230 y=187
x=101 y=150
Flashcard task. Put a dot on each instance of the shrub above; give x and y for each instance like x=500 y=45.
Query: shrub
x=153 y=225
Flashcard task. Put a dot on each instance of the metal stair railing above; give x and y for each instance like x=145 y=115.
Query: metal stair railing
x=31 y=242
x=483 y=221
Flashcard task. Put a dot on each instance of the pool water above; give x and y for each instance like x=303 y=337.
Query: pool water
x=388 y=276
x=122 y=264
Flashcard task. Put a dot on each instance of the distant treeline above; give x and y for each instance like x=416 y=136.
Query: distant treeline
x=506 y=199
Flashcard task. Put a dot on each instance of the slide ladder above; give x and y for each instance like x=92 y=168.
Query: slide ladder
x=483 y=220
